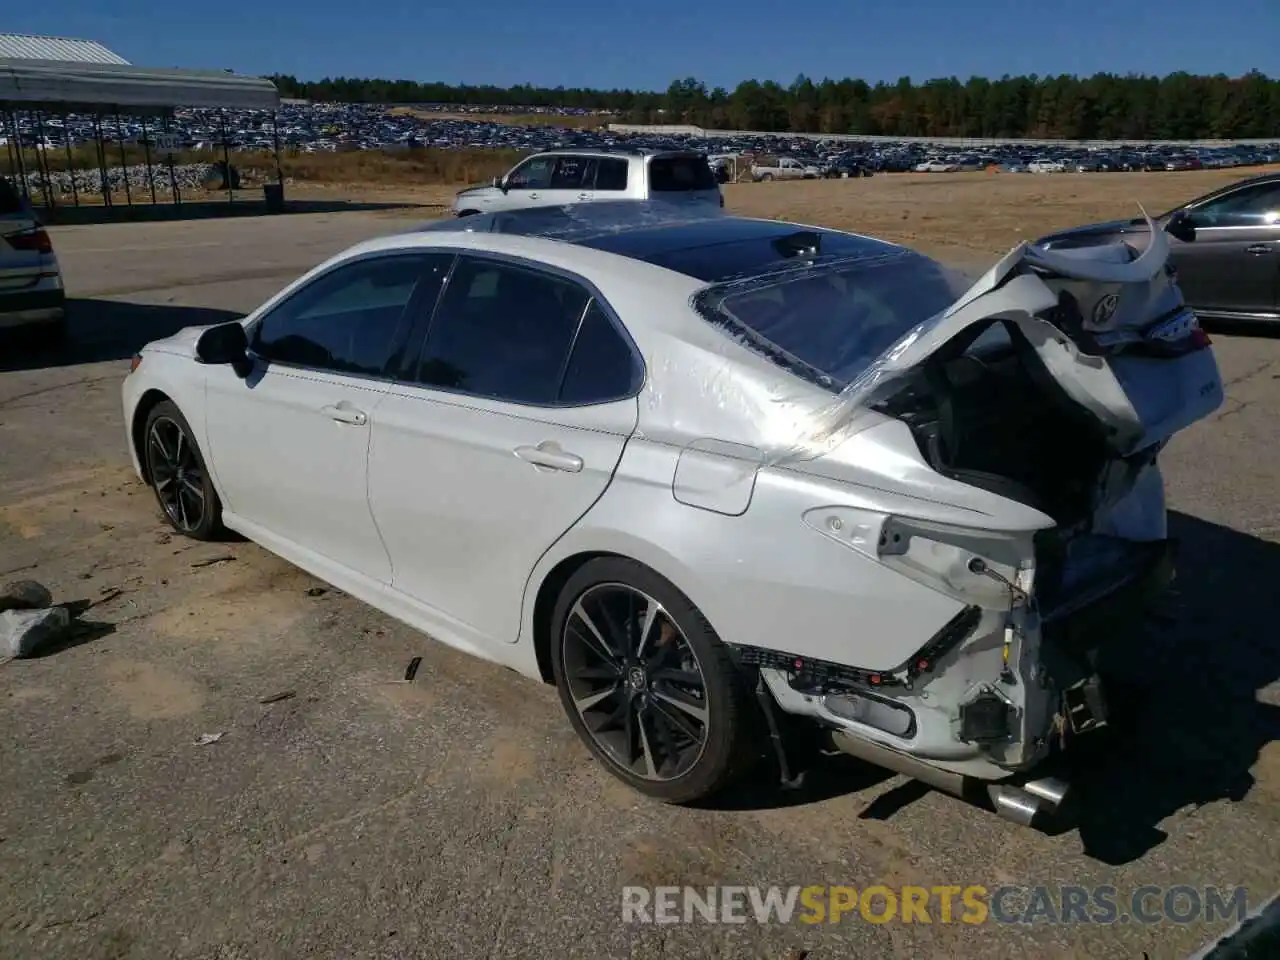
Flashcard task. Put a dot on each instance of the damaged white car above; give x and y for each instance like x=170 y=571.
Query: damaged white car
x=703 y=472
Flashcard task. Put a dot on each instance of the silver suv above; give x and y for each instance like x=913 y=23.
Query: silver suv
x=560 y=177
x=31 y=292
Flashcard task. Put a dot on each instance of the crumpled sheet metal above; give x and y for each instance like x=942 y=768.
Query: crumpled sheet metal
x=796 y=428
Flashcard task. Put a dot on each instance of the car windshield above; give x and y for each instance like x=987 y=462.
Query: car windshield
x=830 y=322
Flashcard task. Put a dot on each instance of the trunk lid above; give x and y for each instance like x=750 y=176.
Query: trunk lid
x=1110 y=327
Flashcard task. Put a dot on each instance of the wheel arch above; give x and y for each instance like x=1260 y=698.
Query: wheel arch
x=548 y=591
x=149 y=400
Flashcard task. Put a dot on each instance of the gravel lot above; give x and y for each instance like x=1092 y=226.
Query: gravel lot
x=457 y=816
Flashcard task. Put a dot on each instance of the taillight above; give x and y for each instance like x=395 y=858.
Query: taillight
x=31 y=241
x=135 y=362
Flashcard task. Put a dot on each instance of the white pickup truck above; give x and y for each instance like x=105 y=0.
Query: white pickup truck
x=783 y=168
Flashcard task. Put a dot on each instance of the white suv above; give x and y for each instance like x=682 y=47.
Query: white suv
x=561 y=177
x=31 y=292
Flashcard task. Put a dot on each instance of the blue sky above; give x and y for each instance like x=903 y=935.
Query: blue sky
x=647 y=44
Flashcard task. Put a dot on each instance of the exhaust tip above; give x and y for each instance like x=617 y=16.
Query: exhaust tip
x=1051 y=790
x=1014 y=803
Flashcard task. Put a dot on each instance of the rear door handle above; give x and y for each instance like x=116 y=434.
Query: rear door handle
x=584 y=196
x=1259 y=248
x=549 y=455
x=345 y=413
x=533 y=195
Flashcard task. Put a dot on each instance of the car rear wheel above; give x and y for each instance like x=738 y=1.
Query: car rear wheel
x=647 y=684
x=178 y=476
x=767 y=177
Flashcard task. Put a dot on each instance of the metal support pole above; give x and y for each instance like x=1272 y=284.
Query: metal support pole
x=173 y=177
x=9 y=146
x=22 y=162
x=100 y=149
x=146 y=152
x=42 y=161
x=226 y=156
x=275 y=137
x=124 y=161
x=71 y=164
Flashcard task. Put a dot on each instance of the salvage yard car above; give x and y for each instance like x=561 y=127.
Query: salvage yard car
x=584 y=176
x=703 y=471
x=1225 y=249
x=31 y=291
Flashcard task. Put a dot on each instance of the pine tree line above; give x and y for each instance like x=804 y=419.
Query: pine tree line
x=1180 y=106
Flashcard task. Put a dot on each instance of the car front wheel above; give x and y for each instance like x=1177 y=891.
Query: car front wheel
x=647 y=684
x=178 y=476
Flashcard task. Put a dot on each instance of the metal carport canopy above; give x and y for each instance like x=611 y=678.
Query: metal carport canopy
x=91 y=87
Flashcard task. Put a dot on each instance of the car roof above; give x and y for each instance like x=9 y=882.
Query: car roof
x=699 y=241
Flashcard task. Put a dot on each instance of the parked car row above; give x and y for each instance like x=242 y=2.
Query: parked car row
x=321 y=127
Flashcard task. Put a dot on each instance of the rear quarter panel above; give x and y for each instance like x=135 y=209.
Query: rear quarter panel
x=764 y=578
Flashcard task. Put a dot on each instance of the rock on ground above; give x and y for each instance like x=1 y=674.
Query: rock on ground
x=24 y=595
x=24 y=632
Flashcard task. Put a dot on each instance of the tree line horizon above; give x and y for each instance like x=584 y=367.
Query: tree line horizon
x=1105 y=106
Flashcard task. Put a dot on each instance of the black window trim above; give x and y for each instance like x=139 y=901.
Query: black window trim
x=413 y=356
x=399 y=341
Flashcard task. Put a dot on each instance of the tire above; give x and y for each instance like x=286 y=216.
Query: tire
x=766 y=178
x=173 y=461
x=640 y=715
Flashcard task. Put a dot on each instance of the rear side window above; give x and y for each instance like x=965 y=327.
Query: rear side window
x=601 y=367
x=611 y=174
x=573 y=173
x=502 y=331
x=682 y=173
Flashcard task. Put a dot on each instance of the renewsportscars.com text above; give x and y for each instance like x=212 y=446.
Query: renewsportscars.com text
x=972 y=904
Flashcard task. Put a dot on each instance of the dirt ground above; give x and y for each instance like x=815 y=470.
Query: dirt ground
x=344 y=813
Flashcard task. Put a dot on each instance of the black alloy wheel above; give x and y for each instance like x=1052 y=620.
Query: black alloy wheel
x=178 y=476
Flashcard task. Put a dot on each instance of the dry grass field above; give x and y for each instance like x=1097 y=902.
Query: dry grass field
x=510 y=119
x=958 y=216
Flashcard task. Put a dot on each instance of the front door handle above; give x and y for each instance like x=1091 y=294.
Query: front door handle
x=584 y=196
x=548 y=455
x=345 y=413
x=1259 y=248
x=533 y=195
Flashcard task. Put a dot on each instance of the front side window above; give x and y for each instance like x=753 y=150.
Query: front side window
x=1257 y=206
x=502 y=331
x=534 y=174
x=346 y=321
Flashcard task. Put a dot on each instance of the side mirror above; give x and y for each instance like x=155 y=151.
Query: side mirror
x=1181 y=226
x=226 y=343
x=501 y=184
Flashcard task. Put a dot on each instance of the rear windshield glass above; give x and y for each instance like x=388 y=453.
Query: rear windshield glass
x=669 y=174
x=830 y=322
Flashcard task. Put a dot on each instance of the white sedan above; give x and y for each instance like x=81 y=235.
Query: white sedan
x=701 y=471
